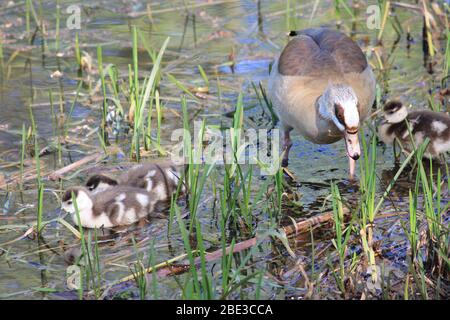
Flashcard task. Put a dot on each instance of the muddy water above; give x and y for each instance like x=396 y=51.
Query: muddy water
x=227 y=31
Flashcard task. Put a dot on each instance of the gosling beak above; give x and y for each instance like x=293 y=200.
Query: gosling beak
x=352 y=143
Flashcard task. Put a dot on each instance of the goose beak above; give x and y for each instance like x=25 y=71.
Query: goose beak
x=352 y=143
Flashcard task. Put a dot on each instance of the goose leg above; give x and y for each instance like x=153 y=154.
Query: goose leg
x=287 y=144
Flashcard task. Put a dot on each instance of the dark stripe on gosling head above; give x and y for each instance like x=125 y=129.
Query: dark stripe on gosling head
x=95 y=180
x=392 y=106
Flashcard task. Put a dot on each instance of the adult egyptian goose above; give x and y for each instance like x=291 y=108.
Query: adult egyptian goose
x=423 y=124
x=113 y=207
x=323 y=87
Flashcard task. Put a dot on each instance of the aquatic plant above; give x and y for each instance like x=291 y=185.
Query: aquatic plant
x=342 y=236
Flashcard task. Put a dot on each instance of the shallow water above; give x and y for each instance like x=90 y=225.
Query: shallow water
x=220 y=29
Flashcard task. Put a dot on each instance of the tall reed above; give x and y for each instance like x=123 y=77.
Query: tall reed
x=342 y=236
x=447 y=50
x=151 y=263
x=196 y=172
x=78 y=52
x=39 y=182
x=27 y=16
x=138 y=272
x=104 y=104
x=22 y=154
x=432 y=205
x=140 y=98
x=30 y=12
x=58 y=17
x=191 y=289
x=368 y=193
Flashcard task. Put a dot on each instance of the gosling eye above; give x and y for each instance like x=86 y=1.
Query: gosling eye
x=69 y=202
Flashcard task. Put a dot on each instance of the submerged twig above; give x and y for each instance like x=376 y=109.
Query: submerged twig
x=165 y=269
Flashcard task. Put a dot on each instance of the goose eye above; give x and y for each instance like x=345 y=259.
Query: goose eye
x=339 y=111
x=69 y=202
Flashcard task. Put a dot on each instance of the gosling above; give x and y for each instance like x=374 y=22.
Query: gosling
x=422 y=123
x=118 y=206
x=161 y=179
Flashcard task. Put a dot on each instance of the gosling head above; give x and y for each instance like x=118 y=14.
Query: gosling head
x=98 y=183
x=78 y=194
x=339 y=104
x=395 y=112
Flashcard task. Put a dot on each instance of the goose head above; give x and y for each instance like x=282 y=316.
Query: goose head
x=339 y=104
x=82 y=198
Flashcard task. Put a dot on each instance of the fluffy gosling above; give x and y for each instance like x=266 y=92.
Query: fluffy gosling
x=161 y=179
x=116 y=206
x=423 y=124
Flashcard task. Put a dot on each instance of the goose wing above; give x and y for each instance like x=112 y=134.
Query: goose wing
x=321 y=52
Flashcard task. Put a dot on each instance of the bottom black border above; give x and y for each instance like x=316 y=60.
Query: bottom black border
x=268 y=309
